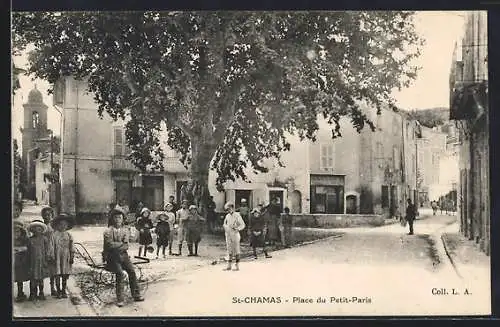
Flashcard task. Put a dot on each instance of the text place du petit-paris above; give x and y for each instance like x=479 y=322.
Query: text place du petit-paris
x=301 y=300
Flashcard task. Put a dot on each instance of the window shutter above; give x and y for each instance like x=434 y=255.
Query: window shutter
x=118 y=141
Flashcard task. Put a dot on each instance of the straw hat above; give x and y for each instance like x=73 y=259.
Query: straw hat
x=255 y=210
x=228 y=204
x=193 y=207
x=143 y=210
x=63 y=216
x=37 y=223
x=243 y=200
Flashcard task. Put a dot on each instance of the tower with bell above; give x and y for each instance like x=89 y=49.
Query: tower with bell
x=34 y=134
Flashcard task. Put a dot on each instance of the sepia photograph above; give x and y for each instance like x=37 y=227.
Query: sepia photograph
x=250 y=164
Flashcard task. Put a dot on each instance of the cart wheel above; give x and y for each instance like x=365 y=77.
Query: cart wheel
x=107 y=278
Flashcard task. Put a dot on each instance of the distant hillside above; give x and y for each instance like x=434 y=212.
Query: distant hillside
x=430 y=117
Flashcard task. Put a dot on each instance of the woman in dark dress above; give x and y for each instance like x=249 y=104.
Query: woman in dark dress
x=257 y=230
x=21 y=264
x=144 y=225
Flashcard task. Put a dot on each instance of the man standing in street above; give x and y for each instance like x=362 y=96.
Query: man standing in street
x=410 y=215
x=181 y=216
x=211 y=216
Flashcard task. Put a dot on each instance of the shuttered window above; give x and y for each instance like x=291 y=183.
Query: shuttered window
x=327 y=155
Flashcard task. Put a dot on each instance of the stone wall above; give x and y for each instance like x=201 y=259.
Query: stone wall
x=336 y=221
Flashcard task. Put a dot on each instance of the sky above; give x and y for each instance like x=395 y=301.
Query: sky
x=439 y=29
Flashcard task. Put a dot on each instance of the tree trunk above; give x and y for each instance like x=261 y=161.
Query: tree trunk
x=196 y=191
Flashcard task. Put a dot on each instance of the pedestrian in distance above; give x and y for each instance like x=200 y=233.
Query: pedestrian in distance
x=257 y=229
x=63 y=252
x=171 y=222
x=194 y=225
x=410 y=215
x=180 y=219
x=233 y=224
x=47 y=216
x=39 y=256
x=273 y=215
x=211 y=216
x=171 y=200
x=434 y=207
x=144 y=226
x=162 y=230
x=21 y=265
x=117 y=259
x=286 y=222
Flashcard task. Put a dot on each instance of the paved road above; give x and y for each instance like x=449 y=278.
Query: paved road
x=381 y=271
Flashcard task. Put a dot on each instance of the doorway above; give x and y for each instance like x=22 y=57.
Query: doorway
x=243 y=194
x=277 y=195
x=351 y=204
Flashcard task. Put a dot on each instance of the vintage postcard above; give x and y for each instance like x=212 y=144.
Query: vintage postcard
x=250 y=163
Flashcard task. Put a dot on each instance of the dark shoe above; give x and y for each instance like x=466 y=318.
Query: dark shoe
x=190 y=255
x=410 y=233
x=255 y=257
x=53 y=293
x=41 y=297
x=21 y=297
x=64 y=295
x=120 y=303
x=32 y=297
x=268 y=256
x=138 y=298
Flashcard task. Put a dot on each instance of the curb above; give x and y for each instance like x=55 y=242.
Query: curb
x=443 y=240
x=82 y=306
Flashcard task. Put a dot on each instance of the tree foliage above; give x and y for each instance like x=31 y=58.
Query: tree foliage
x=431 y=117
x=228 y=86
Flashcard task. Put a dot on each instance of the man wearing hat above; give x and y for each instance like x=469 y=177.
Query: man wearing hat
x=194 y=225
x=233 y=224
x=180 y=219
x=39 y=254
x=116 y=241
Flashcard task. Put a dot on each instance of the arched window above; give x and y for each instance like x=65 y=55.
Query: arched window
x=35 y=119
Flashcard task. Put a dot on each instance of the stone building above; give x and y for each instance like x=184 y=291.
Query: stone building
x=358 y=173
x=94 y=168
x=469 y=108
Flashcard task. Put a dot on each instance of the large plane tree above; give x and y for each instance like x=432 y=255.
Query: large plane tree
x=228 y=86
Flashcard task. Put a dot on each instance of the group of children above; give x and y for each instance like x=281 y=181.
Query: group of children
x=43 y=250
x=186 y=223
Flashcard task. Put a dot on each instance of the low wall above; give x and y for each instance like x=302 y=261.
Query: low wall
x=336 y=220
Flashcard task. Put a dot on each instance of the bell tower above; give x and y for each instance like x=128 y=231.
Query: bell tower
x=35 y=127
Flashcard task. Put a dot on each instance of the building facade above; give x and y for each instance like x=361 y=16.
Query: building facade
x=469 y=108
x=358 y=173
